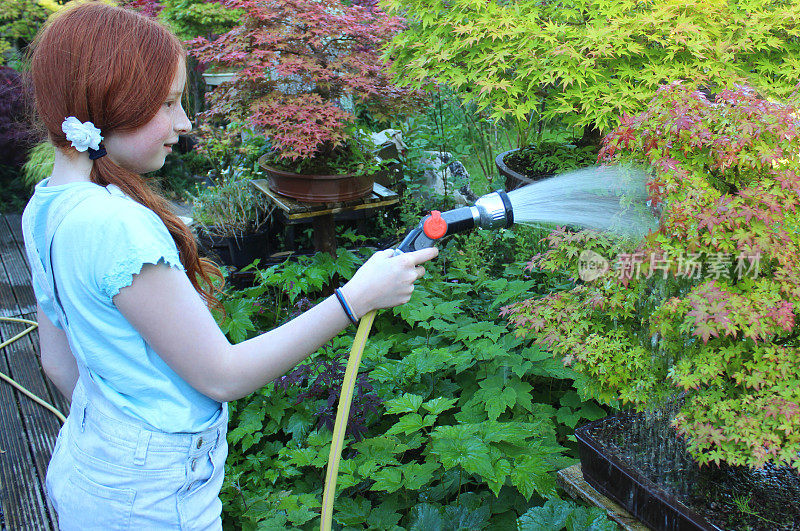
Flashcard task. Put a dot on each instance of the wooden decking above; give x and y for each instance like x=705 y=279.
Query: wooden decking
x=27 y=430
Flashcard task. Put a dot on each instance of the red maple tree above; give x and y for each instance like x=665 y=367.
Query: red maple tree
x=302 y=65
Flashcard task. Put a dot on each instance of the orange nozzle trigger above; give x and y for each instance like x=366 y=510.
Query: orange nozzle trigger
x=435 y=226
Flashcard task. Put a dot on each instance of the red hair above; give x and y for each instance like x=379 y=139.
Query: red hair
x=113 y=67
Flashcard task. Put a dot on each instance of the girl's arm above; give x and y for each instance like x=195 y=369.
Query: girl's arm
x=58 y=361
x=164 y=307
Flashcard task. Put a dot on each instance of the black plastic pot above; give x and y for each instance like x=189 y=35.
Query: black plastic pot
x=637 y=494
x=237 y=252
x=513 y=178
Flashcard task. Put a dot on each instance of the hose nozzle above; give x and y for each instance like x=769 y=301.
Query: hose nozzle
x=491 y=211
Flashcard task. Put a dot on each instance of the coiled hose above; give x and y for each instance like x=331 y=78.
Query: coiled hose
x=33 y=325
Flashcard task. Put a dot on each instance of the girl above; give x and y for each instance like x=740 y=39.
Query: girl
x=123 y=319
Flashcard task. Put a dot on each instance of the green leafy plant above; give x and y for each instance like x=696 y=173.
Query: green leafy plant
x=586 y=63
x=193 y=18
x=556 y=515
x=458 y=425
x=228 y=147
x=707 y=305
x=548 y=158
x=39 y=165
x=19 y=22
x=230 y=207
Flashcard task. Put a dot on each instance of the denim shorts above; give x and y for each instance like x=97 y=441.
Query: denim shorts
x=110 y=471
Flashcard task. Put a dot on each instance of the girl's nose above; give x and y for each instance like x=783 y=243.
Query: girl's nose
x=182 y=123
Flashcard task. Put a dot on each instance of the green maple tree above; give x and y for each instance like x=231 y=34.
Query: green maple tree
x=589 y=62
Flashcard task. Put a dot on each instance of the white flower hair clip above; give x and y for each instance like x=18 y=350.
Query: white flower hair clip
x=84 y=136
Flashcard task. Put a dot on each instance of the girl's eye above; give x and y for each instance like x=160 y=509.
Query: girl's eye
x=169 y=104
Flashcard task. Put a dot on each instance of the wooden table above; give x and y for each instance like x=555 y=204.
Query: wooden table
x=322 y=215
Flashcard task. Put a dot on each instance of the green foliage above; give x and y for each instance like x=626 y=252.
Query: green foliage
x=39 y=165
x=194 y=18
x=19 y=22
x=231 y=147
x=588 y=63
x=178 y=177
x=465 y=433
x=13 y=193
x=707 y=305
x=556 y=515
x=548 y=158
x=229 y=207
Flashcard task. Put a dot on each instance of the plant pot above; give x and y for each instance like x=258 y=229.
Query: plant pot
x=515 y=179
x=213 y=246
x=217 y=78
x=613 y=478
x=318 y=188
x=237 y=252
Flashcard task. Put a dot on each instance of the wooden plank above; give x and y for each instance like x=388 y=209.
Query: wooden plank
x=16 y=265
x=20 y=488
x=293 y=209
x=571 y=480
x=40 y=425
x=15 y=223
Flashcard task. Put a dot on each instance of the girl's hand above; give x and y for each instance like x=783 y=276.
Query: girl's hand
x=385 y=280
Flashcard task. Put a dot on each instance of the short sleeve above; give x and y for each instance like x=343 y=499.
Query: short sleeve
x=131 y=237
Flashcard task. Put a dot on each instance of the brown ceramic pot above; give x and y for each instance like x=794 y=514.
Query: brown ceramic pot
x=318 y=188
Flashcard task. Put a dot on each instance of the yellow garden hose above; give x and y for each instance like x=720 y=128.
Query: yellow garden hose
x=342 y=414
x=32 y=326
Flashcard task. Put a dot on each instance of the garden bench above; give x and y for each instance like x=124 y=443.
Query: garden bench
x=27 y=430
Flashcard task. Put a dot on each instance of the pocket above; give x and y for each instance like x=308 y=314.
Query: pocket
x=87 y=504
x=198 y=502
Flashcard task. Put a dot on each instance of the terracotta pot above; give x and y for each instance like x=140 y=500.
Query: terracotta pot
x=317 y=188
x=515 y=179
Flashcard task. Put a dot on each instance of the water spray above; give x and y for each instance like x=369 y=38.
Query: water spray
x=609 y=198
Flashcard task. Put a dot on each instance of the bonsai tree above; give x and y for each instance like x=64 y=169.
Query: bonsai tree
x=530 y=62
x=707 y=305
x=303 y=66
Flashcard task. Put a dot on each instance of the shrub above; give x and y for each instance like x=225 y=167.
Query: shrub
x=16 y=135
x=19 y=22
x=589 y=62
x=300 y=63
x=39 y=165
x=707 y=305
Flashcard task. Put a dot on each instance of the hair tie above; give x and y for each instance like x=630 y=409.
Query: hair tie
x=84 y=136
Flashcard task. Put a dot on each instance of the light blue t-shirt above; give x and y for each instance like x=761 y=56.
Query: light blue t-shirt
x=99 y=246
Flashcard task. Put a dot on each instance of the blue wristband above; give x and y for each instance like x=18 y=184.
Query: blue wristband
x=345 y=306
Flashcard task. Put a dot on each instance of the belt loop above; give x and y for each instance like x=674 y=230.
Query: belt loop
x=141 y=448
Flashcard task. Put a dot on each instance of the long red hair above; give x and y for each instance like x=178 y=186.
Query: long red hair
x=113 y=67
